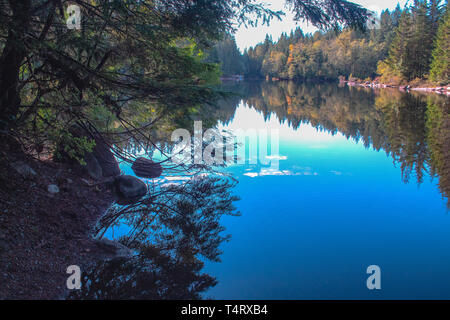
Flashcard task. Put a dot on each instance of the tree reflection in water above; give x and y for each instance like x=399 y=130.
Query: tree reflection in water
x=170 y=231
x=413 y=128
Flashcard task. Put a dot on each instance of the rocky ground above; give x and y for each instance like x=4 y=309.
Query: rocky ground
x=47 y=213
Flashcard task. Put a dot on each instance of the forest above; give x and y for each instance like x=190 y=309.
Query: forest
x=406 y=45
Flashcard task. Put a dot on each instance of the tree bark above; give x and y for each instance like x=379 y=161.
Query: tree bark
x=11 y=59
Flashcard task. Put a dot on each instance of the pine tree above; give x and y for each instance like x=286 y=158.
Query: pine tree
x=229 y=56
x=435 y=14
x=398 y=53
x=420 y=46
x=440 y=68
x=410 y=54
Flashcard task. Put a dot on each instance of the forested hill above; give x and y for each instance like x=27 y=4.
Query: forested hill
x=407 y=44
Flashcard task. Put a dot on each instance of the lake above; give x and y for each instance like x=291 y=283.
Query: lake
x=363 y=180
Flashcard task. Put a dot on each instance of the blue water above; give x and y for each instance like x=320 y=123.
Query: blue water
x=337 y=208
x=310 y=228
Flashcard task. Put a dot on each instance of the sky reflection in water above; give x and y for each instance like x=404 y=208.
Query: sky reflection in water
x=339 y=207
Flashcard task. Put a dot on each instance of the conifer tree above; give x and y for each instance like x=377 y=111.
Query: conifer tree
x=398 y=53
x=440 y=67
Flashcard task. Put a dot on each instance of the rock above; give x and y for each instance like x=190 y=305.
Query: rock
x=146 y=168
x=53 y=189
x=23 y=169
x=100 y=158
x=92 y=167
x=130 y=187
x=106 y=159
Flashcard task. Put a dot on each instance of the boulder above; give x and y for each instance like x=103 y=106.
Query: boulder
x=101 y=162
x=106 y=159
x=92 y=167
x=130 y=187
x=146 y=168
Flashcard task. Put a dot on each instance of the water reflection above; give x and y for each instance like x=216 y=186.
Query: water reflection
x=170 y=231
x=413 y=128
x=179 y=227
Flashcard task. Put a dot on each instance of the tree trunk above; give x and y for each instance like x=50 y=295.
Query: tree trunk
x=12 y=56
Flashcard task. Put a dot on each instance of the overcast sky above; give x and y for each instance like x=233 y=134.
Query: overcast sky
x=246 y=38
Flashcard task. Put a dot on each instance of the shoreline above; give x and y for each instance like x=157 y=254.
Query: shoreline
x=43 y=232
x=444 y=90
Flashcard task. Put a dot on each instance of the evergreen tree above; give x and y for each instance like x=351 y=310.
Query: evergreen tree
x=440 y=68
x=420 y=45
x=227 y=54
x=394 y=65
x=410 y=54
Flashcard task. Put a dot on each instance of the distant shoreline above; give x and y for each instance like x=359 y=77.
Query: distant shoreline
x=444 y=90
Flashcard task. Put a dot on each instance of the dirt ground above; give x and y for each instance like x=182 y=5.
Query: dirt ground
x=41 y=233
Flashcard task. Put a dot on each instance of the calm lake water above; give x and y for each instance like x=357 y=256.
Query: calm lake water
x=341 y=206
x=363 y=180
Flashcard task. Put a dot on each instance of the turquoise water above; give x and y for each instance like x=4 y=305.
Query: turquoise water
x=358 y=184
x=311 y=233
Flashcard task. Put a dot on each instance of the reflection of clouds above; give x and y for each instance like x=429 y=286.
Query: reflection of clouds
x=304 y=171
x=251 y=174
x=268 y=172
x=177 y=180
x=276 y=157
x=273 y=172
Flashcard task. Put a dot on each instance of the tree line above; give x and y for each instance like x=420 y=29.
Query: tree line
x=405 y=44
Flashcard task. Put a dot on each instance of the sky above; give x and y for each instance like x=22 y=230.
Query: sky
x=249 y=37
